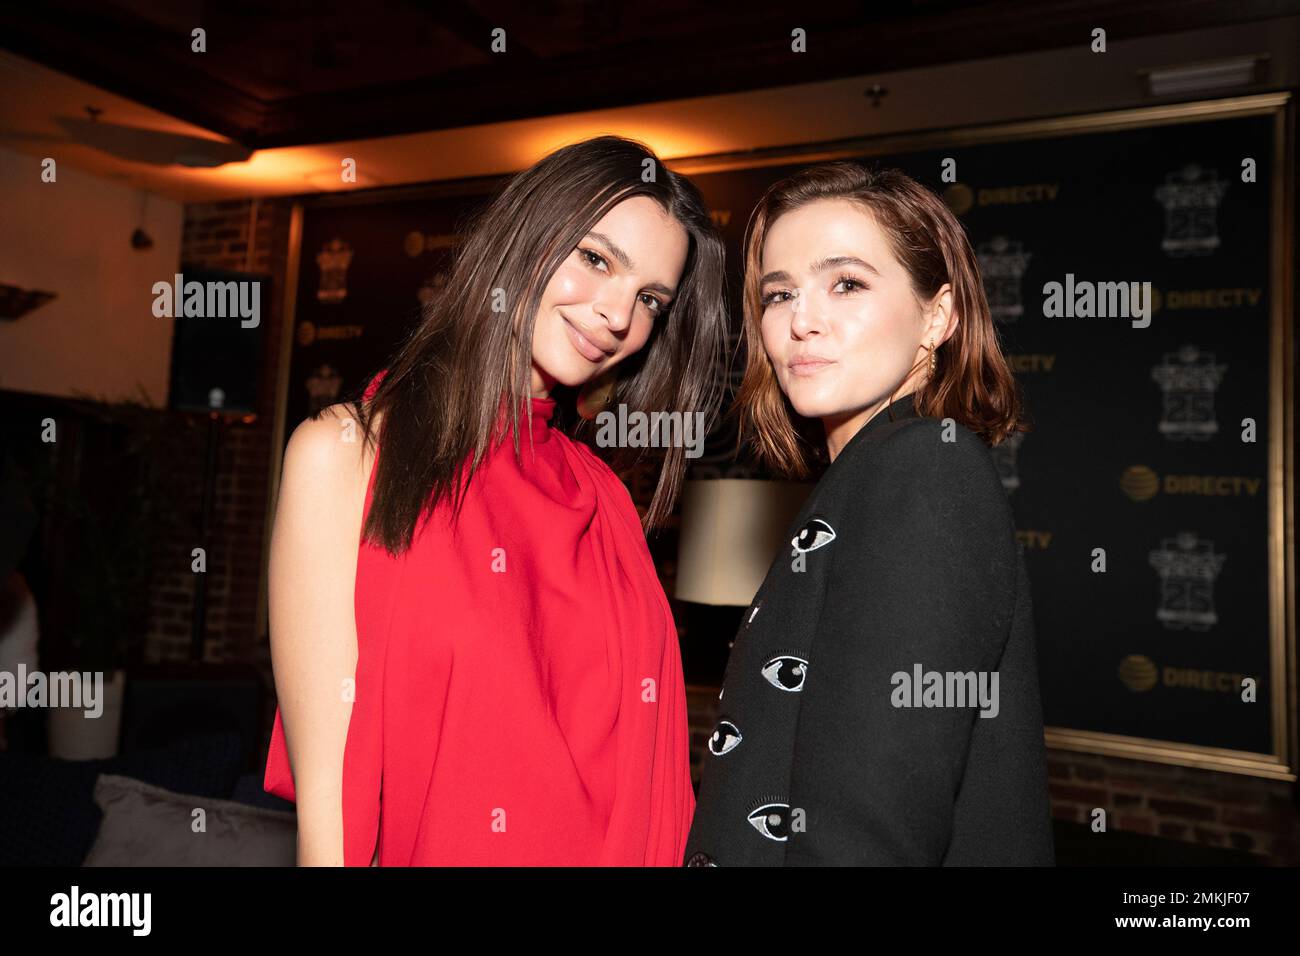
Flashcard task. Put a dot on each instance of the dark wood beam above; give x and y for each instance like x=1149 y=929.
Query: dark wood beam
x=134 y=58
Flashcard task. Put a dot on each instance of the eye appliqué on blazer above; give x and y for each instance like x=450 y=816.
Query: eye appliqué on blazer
x=816 y=533
x=726 y=737
x=786 y=672
x=772 y=820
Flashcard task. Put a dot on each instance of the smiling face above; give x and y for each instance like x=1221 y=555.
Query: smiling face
x=602 y=302
x=840 y=322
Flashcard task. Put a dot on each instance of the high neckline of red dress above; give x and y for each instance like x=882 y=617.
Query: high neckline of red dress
x=539 y=418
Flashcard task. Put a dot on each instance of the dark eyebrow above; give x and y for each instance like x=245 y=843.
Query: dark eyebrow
x=821 y=265
x=626 y=262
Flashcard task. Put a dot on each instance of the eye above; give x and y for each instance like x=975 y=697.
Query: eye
x=593 y=259
x=786 y=673
x=815 y=534
x=654 y=305
x=849 y=280
x=771 y=297
x=772 y=820
x=598 y=262
x=725 y=738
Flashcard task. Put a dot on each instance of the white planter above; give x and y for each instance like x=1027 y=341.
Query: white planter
x=73 y=735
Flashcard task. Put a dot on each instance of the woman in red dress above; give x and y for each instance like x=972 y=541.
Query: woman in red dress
x=474 y=659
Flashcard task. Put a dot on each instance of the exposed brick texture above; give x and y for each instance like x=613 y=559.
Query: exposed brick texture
x=219 y=235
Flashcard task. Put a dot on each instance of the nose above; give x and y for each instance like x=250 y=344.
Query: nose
x=616 y=309
x=804 y=322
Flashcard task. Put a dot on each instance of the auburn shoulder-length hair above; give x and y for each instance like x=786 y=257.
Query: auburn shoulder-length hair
x=440 y=401
x=972 y=382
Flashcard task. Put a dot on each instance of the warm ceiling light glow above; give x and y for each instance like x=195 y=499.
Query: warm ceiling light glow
x=294 y=167
x=331 y=179
x=268 y=166
x=667 y=141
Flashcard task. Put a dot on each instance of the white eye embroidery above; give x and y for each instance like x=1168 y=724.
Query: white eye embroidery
x=726 y=738
x=815 y=534
x=786 y=673
x=772 y=820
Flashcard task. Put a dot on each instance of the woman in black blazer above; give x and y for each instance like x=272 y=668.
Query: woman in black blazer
x=881 y=701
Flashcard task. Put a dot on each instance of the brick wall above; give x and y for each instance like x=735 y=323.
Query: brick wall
x=1178 y=803
x=225 y=235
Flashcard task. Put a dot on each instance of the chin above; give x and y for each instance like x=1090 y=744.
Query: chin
x=564 y=377
x=572 y=374
x=557 y=359
x=811 y=403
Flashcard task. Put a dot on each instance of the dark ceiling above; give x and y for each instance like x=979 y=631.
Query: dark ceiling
x=281 y=73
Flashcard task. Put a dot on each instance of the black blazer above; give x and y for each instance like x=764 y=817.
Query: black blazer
x=909 y=558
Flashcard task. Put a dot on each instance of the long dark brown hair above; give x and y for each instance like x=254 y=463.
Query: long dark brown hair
x=972 y=382
x=439 y=402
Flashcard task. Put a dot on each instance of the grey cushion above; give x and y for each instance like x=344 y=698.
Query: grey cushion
x=48 y=815
x=145 y=825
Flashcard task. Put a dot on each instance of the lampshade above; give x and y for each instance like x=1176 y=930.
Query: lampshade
x=731 y=529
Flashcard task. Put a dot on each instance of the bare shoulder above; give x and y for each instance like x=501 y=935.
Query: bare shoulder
x=328 y=452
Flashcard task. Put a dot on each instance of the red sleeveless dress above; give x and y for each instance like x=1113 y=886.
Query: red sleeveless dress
x=519 y=691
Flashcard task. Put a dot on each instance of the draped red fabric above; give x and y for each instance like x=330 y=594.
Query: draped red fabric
x=519 y=692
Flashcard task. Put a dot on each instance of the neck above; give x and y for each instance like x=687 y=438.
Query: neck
x=541 y=384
